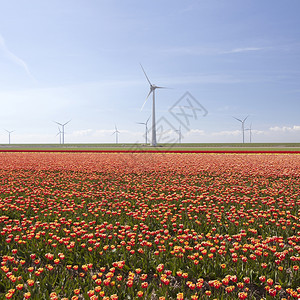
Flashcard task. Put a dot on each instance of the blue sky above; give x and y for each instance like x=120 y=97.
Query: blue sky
x=80 y=60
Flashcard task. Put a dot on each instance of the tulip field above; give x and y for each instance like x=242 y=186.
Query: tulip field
x=149 y=226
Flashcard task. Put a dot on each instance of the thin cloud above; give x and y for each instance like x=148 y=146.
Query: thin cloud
x=192 y=50
x=240 y=50
x=285 y=128
x=254 y=131
x=203 y=79
x=196 y=131
x=227 y=132
x=190 y=7
x=196 y=51
x=14 y=58
x=84 y=132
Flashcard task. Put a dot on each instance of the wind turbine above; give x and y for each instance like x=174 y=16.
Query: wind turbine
x=243 y=126
x=153 y=87
x=250 y=132
x=9 y=132
x=59 y=133
x=63 y=130
x=146 y=129
x=116 y=132
x=179 y=134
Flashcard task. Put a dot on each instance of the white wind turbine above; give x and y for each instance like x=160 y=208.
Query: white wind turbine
x=116 y=132
x=153 y=87
x=243 y=126
x=63 y=130
x=146 y=129
x=9 y=132
x=60 y=134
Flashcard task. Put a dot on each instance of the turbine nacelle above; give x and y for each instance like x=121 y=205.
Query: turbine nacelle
x=153 y=87
x=242 y=121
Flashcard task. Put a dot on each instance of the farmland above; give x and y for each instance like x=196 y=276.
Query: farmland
x=149 y=226
x=282 y=147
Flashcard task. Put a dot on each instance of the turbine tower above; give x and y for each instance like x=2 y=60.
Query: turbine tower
x=9 y=132
x=243 y=126
x=63 y=130
x=116 y=132
x=179 y=134
x=146 y=129
x=153 y=87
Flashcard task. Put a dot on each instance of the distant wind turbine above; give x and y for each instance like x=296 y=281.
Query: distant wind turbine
x=153 y=87
x=116 y=132
x=250 y=132
x=243 y=126
x=146 y=129
x=63 y=130
x=179 y=134
x=9 y=132
x=60 y=134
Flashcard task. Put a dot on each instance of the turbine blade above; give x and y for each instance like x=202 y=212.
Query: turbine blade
x=58 y=123
x=245 y=119
x=9 y=131
x=147 y=120
x=146 y=99
x=66 y=123
x=238 y=119
x=146 y=75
